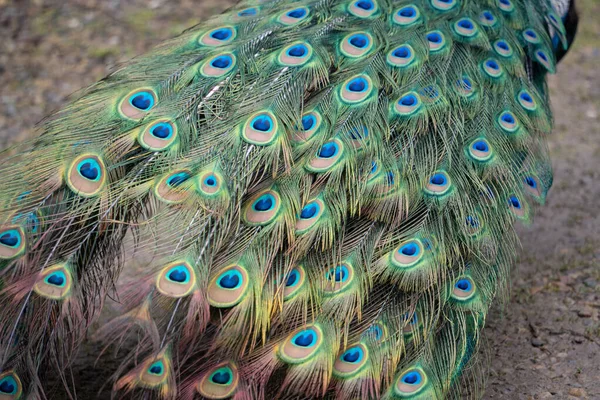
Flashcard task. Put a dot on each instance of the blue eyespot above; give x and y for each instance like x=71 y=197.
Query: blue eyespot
x=365 y=4
x=464 y=285
x=526 y=97
x=142 y=101
x=412 y=378
x=339 y=273
x=264 y=203
x=359 y=40
x=247 y=12
x=308 y=121
x=162 y=130
x=375 y=332
x=492 y=65
x=412 y=318
x=353 y=355
x=434 y=37
x=57 y=278
x=177 y=179
x=373 y=167
x=465 y=83
x=89 y=169
x=262 y=123
x=298 y=50
x=221 y=377
x=508 y=118
x=306 y=338
x=488 y=16
x=156 y=368
x=222 y=34
x=292 y=278
x=409 y=249
x=481 y=145
x=531 y=182
x=222 y=62
x=178 y=274
x=10 y=238
x=531 y=33
x=514 y=201
x=409 y=100
x=358 y=85
x=430 y=91
x=471 y=221
x=408 y=12
x=402 y=52
x=309 y=210
x=328 y=150
x=297 y=13
x=8 y=385
x=542 y=55
x=231 y=279
x=438 y=179
x=466 y=24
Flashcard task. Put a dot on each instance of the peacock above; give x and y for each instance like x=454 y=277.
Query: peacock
x=308 y=199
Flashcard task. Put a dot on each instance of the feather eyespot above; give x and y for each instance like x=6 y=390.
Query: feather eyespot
x=54 y=282
x=517 y=207
x=492 y=68
x=506 y=6
x=543 y=58
x=309 y=216
x=531 y=36
x=356 y=44
x=436 y=41
x=327 y=156
x=260 y=129
x=473 y=224
x=356 y=90
x=218 y=65
x=263 y=208
x=411 y=321
x=407 y=15
x=409 y=104
x=248 y=12
x=407 y=254
x=351 y=362
x=218 y=36
x=508 y=122
x=338 y=278
x=158 y=136
x=480 y=150
x=363 y=8
x=295 y=54
x=220 y=382
x=375 y=333
x=465 y=27
x=86 y=176
x=294 y=16
x=443 y=5
x=410 y=382
x=526 y=100
x=12 y=242
x=209 y=183
x=465 y=87
x=430 y=94
x=402 y=56
x=464 y=289
x=503 y=49
x=533 y=186
x=310 y=123
x=438 y=184
x=176 y=279
x=301 y=345
x=294 y=281
x=228 y=287
x=173 y=188
x=488 y=19
x=137 y=103
x=10 y=386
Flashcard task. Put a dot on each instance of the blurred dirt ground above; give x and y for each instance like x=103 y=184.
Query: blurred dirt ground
x=544 y=343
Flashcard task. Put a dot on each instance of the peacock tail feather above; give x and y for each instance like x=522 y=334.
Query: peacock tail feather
x=319 y=196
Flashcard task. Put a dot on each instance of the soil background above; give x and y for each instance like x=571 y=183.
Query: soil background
x=544 y=343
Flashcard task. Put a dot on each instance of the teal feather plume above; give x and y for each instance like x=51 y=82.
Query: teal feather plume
x=322 y=196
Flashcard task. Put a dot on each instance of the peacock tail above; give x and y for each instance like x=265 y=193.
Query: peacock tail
x=306 y=199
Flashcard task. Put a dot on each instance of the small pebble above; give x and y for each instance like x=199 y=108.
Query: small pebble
x=536 y=342
x=584 y=313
